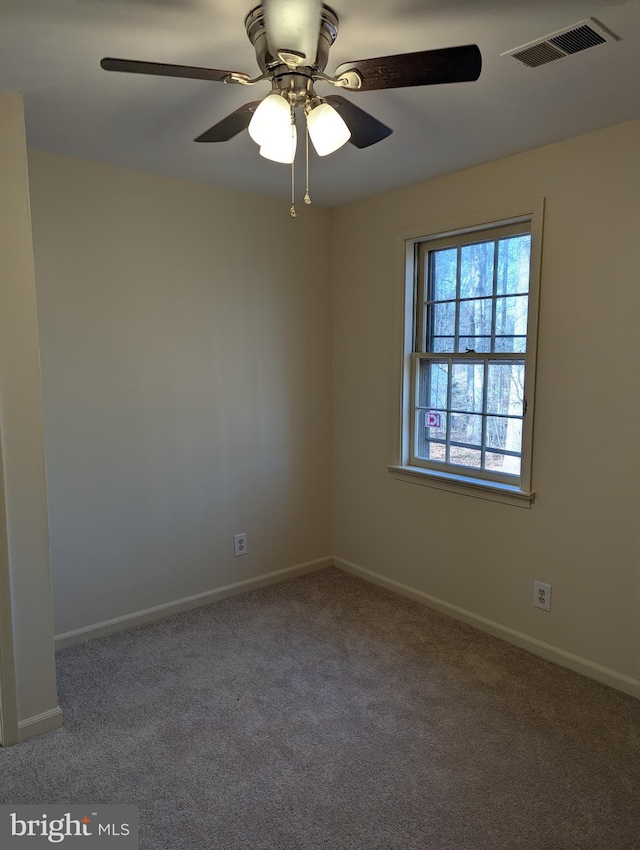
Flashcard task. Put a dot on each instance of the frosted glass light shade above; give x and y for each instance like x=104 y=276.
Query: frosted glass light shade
x=273 y=116
x=281 y=147
x=327 y=130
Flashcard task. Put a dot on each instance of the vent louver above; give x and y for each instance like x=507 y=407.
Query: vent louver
x=558 y=45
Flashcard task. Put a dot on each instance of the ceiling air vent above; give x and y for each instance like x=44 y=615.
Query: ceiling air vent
x=558 y=45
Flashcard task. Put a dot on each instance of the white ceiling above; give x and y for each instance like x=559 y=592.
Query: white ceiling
x=50 y=50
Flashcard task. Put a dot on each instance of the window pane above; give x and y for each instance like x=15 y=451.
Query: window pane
x=476 y=269
x=481 y=344
x=435 y=451
x=511 y=315
x=442 y=319
x=497 y=462
x=513 y=264
x=517 y=344
x=434 y=423
x=466 y=428
x=465 y=457
x=505 y=388
x=442 y=344
x=466 y=387
x=430 y=426
x=443 y=268
x=475 y=317
x=504 y=433
x=433 y=384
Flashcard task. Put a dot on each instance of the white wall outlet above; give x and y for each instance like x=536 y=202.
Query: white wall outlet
x=240 y=544
x=542 y=595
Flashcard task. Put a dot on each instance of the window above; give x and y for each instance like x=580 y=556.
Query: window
x=470 y=335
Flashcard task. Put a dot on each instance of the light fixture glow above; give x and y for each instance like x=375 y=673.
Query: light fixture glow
x=327 y=130
x=281 y=147
x=271 y=118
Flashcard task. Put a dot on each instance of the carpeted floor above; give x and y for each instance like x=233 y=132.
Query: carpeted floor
x=329 y=713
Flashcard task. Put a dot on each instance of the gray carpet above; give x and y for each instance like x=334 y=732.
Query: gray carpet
x=329 y=713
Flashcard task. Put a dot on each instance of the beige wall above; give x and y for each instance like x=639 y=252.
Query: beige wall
x=186 y=383
x=580 y=535
x=21 y=429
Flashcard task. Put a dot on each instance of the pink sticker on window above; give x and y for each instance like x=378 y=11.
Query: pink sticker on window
x=431 y=420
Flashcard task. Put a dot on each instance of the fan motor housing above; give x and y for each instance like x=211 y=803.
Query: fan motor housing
x=257 y=34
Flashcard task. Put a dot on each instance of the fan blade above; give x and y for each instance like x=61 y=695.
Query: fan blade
x=159 y=69
x=293 y=26
x=231 y=125
x=365 y=129
x=426 y=68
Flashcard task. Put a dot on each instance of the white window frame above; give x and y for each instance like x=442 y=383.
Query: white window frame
x=405 y=467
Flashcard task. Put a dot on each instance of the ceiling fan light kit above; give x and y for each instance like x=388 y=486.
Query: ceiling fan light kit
x=273 y=113
x=292 y=39
x=281 y=146
x=327 y=130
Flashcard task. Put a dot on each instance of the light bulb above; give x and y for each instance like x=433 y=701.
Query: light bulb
x=273 y=115
x=281 y=147
x=327 y=130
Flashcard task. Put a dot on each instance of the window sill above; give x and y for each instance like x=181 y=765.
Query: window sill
x=463 y=485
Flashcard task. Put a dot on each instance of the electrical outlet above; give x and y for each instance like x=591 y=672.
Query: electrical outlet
x=542 y=595
x=240 y=544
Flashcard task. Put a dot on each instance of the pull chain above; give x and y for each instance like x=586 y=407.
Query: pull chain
x=307 y=199
x=292 y=211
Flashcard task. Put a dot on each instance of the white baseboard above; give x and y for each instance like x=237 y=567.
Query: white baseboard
x=40 y=723
x=159 y=612
x=620 y=681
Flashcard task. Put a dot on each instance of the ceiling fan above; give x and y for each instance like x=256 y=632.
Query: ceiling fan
x=292 y=39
